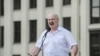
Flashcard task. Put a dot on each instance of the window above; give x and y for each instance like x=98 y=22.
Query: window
x=33 y=3
x=1 y=36
x=95 y=43
x=17 y=32
x=95 y=11
x=66 y=2
x=17 y=4
x=33 y=30
x=16 y=55
x=1 y=7
x=49 y=3
x=67 y=23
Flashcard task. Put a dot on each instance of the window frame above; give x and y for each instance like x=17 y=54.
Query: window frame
x=33 y=39
x=1 y=36
x=66 y=2
x=2 y=8
x=16 y=55
x=93 y=43
x=93 y=19
x=49 y=3
x=67 y=26
x=17 y=39
x=17 y=6
x=33 y=4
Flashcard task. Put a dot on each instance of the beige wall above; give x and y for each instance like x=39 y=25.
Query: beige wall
x=79 y=24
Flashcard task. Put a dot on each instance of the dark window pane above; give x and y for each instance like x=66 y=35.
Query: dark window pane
x=33 y=3
x=1 y=7
x=17 y=32
x=17 y=4
x=33 y=30
x=2 y=36
x=95 y=20
x=67 y=23
x=49 y=3
x=16 y=55
x=95 y=43
x=66 y=2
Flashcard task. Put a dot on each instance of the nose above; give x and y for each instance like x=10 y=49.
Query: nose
x=50 y=20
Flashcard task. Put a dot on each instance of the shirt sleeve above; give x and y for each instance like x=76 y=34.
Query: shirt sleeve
x=39 y=41
x=70 y=39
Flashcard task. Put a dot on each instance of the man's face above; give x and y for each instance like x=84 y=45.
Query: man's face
x=52 y=22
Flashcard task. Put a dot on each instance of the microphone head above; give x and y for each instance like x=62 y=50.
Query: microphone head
x=48 y=28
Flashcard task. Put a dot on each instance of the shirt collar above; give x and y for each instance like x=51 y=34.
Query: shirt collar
x=59 y=28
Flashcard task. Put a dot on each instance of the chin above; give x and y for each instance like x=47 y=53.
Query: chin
x=51 y=26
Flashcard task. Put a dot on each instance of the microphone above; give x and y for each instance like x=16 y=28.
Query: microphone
x=48 y=29
x=29 y=54
x=44 y=37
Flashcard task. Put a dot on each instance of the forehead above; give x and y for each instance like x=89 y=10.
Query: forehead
x=52 y=16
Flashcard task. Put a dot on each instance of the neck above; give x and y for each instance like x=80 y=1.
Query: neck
x=54 y=29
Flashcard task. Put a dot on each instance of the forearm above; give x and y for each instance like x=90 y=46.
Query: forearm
x=74 y=50
x=35 y=51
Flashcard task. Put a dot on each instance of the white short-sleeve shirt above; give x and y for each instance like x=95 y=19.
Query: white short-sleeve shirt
x=57 y=43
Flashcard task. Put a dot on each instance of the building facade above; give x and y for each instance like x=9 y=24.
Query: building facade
x=22 y=21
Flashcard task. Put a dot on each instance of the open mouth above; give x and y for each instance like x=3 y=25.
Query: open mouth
x=51 y=23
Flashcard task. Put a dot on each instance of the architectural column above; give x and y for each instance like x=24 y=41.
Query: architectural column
x=8 y=27
x=84 y=28
x=58 y=9
x=40 y=17
x=75 y=20
x=24 y=27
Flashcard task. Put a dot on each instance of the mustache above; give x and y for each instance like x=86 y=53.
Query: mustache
x=51 y=23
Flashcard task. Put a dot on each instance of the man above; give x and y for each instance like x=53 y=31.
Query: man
x=58 y=41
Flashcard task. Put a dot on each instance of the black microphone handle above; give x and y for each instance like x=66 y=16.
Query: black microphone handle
x=43 y=39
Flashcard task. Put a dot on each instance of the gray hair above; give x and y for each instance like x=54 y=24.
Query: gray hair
x=53 y=14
